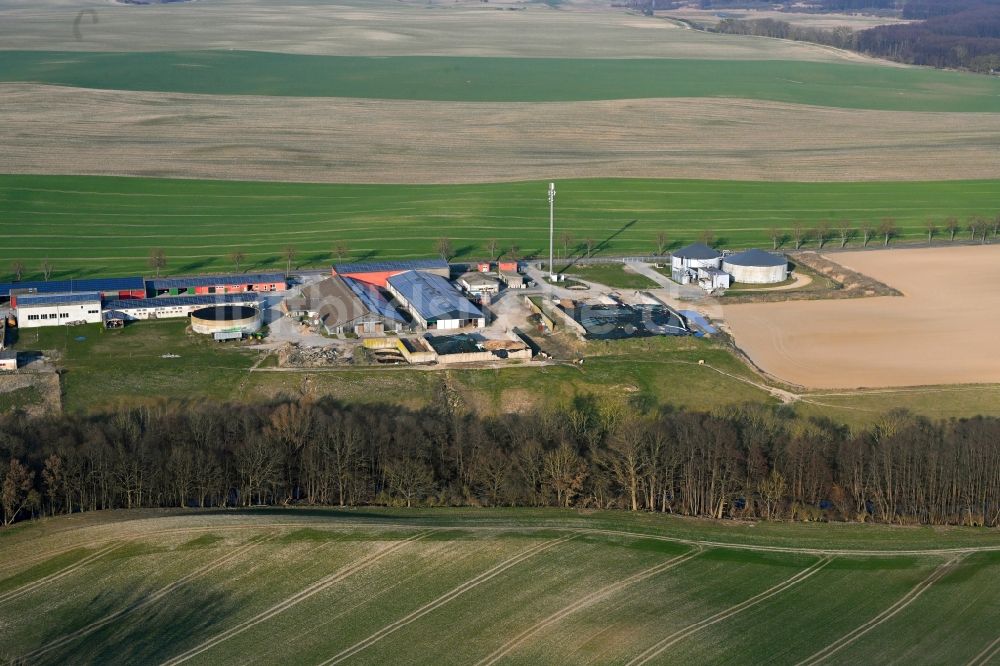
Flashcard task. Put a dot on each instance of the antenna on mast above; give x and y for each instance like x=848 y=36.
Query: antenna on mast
x=552 y=226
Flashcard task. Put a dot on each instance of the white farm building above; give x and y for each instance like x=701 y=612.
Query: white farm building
x=36 y=310
x=685 y=262
x=756 y=267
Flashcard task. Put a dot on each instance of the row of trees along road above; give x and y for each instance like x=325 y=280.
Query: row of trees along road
x=749 y=462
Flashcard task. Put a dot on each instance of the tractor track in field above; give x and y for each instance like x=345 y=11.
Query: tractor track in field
x=41 y=582
x=700 y=543
x=657 y=649
x=907 y=599
x=584 y=602
x=300 y=596
x=445 y=598
x=987 y=655
x=152 y=598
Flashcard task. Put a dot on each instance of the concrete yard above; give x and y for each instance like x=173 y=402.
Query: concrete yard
x=942 y=331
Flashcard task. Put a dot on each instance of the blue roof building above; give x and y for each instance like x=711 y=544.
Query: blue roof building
x=434 y=302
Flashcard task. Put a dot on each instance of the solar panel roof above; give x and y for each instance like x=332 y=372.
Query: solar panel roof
x=373 y=299
x=215 y=280
x=68 y=286
x=35 y=300
x=388 y=266
x=179 y=301
x=433 y=296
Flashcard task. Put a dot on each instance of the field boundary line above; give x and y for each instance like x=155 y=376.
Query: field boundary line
x=41 y=582
x=658 y=648
x=300 y=596
x=452 y=594
x=583 y=602
x=986 y=656
x=152 y=598
x=907 y=599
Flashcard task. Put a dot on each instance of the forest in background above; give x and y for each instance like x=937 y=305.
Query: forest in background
x=959 y=34
x=751 y=462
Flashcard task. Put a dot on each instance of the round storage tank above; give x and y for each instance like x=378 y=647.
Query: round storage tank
x=226 y=319
x=756 y=267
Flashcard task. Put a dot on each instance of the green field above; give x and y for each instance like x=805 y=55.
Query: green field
x=508 y=79
x=107 y=226
x=489 y=586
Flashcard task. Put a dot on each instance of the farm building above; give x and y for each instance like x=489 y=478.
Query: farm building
x=217 y=284
x=345 y=305
x=434 y=302
x=756 y=267
x=118 y=312
x=118 y=288
x=513 y=280
x=8 y=360
x=37 y=310
x=379 y=272
x=711 y=279
x=478 y=284
x=685 y=262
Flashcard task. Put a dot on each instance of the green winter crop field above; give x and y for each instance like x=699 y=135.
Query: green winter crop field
x=854 y=86
x=107 y=226
x=491 y=586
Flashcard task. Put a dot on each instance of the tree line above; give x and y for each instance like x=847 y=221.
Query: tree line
x=748 y=462
x=962 y=34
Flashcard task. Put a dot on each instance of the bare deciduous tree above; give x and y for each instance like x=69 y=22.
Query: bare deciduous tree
x=867 y=229
x=17 y=268
x=17 y=492
x=157 y=260
x=491 y=247
x=931 y=227
x=341 y=250
x=800 y=234
x=776 y=237
x=662 y=241
x=566 y=238
x=237 y=258
x=887 y=229
x=952 y=226
x=846 y=231
x=589 y=243
x=290 y=253
x=822 y=232
x=443 y=248
x=46 y=269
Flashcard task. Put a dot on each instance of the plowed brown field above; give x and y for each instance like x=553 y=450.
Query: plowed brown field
x=56 y=130
x=942 y=331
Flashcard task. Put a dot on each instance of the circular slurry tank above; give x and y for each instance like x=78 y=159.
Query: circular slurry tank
x=756 y=267
x=226 y=319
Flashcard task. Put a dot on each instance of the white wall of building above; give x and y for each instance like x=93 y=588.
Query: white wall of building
x=36 y=316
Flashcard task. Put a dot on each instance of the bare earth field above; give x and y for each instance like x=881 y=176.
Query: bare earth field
x=823 y=21
x=57 y=130
x=942 y=331
x=379 y=28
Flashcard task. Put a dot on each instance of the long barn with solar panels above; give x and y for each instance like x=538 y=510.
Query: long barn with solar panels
x=117 y=288
x=434 y=303
x=37 y=310
x=169 y=306
x=200 y=285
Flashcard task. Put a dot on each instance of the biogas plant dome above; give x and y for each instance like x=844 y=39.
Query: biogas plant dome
x=756 y=267
x=226 y=319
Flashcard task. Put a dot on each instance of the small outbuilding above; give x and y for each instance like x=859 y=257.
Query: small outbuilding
x=478 y=284
x=756 y=267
